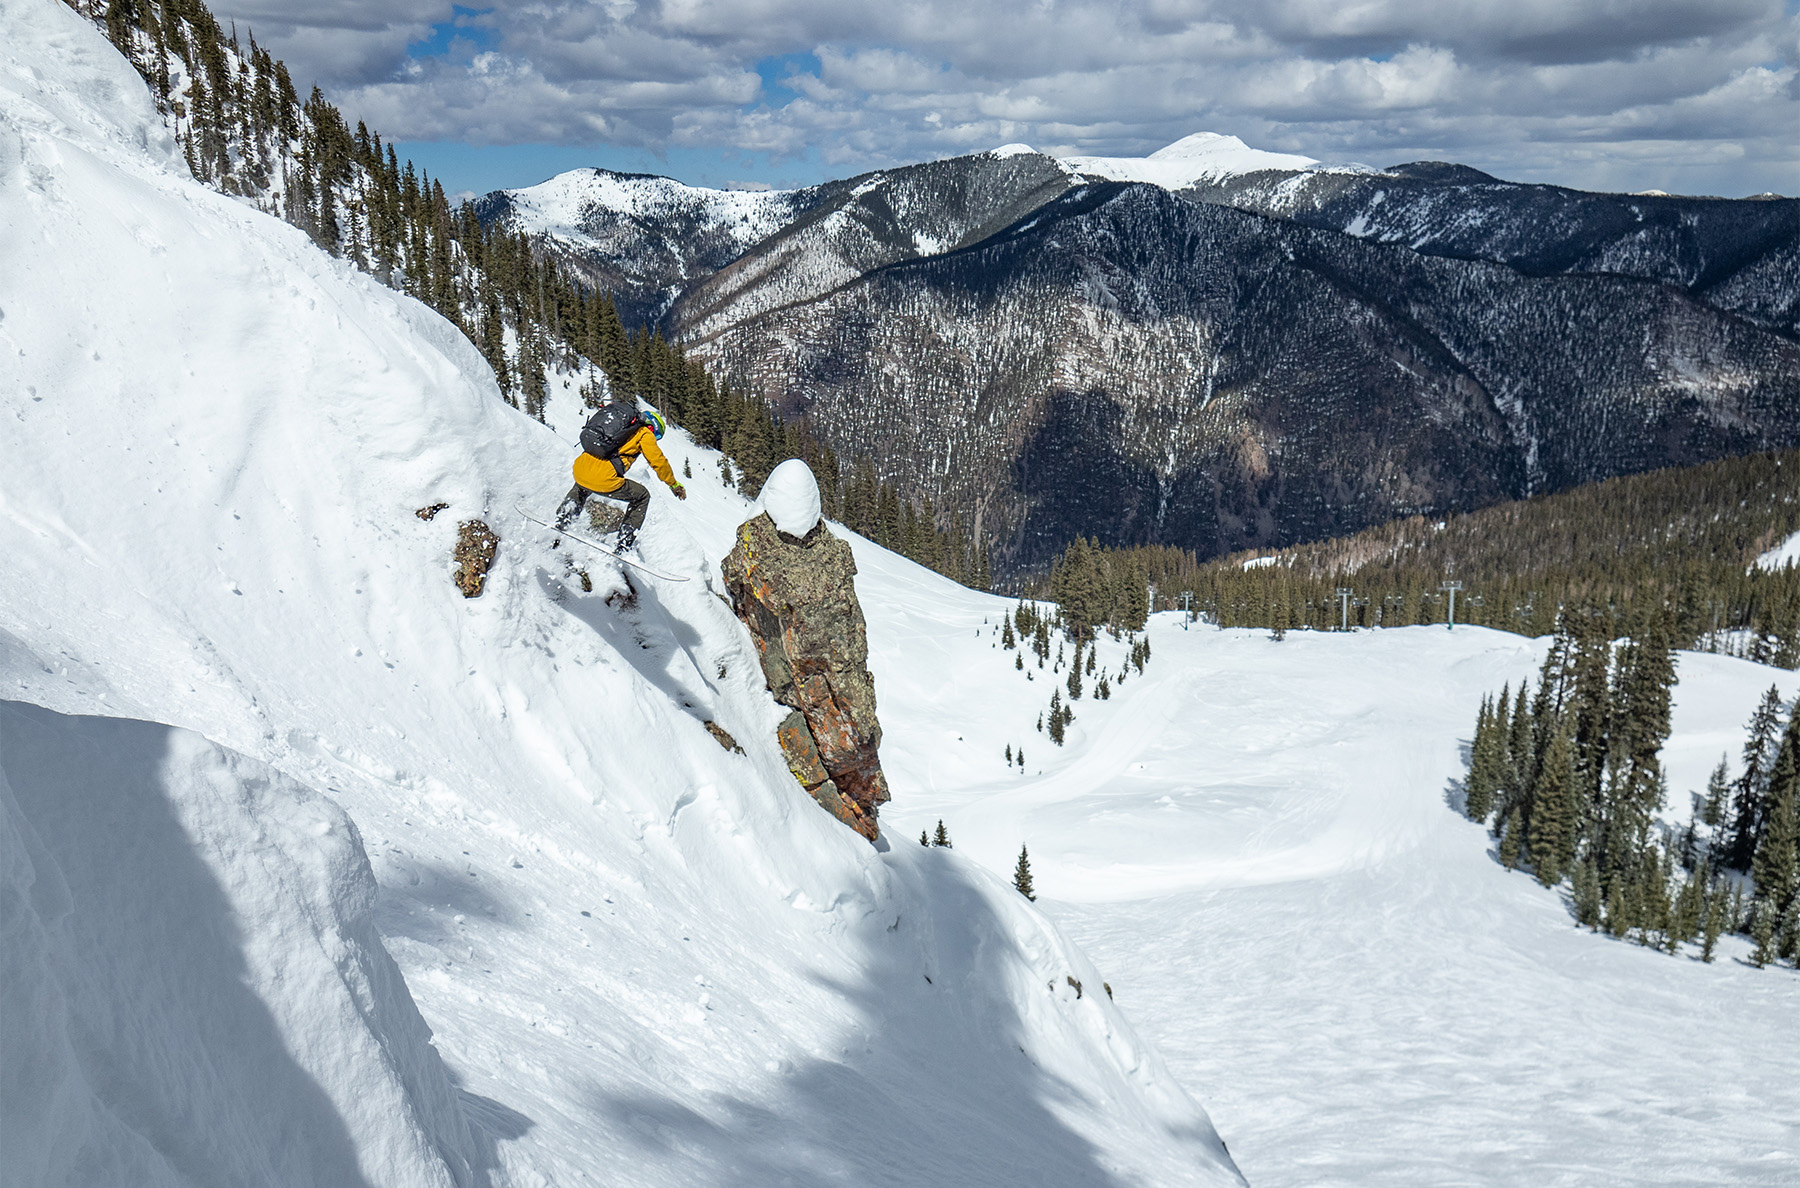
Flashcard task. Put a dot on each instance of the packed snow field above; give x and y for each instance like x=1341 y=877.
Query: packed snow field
x=1255 y=843
x=312 y=871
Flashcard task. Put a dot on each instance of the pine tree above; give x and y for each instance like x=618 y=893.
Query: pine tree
x=1021 y=758
x=1056 y=717
x=1009 y=754
x=1750 y=804
x=1484 y=759
x=1690 y=907
x=1552 y=812
x=1022 y=876
x=1511 y=843
x=1618 y=912
x=1776 y=864
x=924 y=838
x=1714 y=808
x=493 y=345
x=1587 y=893
x=942 y=836
x=1762 y=932
x=1713 y=922
x=531 y=374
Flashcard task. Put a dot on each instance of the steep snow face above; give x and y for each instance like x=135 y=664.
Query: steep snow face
x=189 y=936
x=1201 y=157
x=638 y=951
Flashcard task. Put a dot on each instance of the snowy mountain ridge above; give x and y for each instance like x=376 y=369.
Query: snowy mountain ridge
x=636 y=950
x=641 y=237
x=968 y=323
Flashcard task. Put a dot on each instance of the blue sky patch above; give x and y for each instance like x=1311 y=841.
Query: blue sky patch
x=460 y=26
x=779 y=67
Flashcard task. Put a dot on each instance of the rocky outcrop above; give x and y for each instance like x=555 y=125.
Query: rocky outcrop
x=476 y=546
x=797 y=595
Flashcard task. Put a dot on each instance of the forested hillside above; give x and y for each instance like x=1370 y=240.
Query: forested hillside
x=1135 y=368
x=1742 y=257
x=1681 y=540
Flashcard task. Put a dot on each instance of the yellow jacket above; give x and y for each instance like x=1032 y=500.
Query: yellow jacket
x=597 y=474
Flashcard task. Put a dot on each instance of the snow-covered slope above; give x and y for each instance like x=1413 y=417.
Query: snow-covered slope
x=1255 y=841
x=645 y=959
x=1782 y=555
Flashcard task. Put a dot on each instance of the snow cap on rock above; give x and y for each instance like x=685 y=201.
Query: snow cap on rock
x=791 y=497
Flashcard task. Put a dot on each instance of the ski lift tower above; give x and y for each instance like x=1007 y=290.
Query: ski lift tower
x=1187 y=612
x=1451 y=588
x=1344 y=594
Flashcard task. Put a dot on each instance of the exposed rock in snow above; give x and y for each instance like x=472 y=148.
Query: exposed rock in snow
x=798 y=598
x=791 y=497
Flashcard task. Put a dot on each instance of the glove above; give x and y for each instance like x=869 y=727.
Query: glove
x=680 y=491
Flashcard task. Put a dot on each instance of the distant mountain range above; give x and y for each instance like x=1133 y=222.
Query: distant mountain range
x=1213 y=346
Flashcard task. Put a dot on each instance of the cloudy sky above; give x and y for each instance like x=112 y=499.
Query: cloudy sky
x=1691 y=96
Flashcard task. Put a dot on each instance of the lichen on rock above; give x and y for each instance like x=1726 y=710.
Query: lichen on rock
x=797 y=595
x=476 y=546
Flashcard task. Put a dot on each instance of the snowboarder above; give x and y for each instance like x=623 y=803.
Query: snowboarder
x=610 y=441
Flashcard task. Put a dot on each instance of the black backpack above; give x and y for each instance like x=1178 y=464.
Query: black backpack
x=608 y=430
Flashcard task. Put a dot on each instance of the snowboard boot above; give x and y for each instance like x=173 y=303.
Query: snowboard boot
x=627 y=538
x=569 y=508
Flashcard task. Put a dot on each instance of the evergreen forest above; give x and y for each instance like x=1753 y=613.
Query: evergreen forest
x=1681 y=540
x=1569 y=775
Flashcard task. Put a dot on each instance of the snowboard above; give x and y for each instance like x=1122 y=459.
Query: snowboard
x=598 y=547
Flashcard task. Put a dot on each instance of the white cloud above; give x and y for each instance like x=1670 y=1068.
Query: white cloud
x=1705 y=90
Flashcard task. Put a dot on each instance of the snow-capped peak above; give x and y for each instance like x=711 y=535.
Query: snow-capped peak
x=1013 y=150
x=565 y=202
x=1202 y=156
x=1228 y=152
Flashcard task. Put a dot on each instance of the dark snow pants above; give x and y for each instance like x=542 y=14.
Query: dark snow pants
x=634 y=495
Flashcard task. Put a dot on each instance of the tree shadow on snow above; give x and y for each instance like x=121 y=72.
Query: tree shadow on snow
x=1456 y=796
x=933 y=1086
x=170 y=1037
